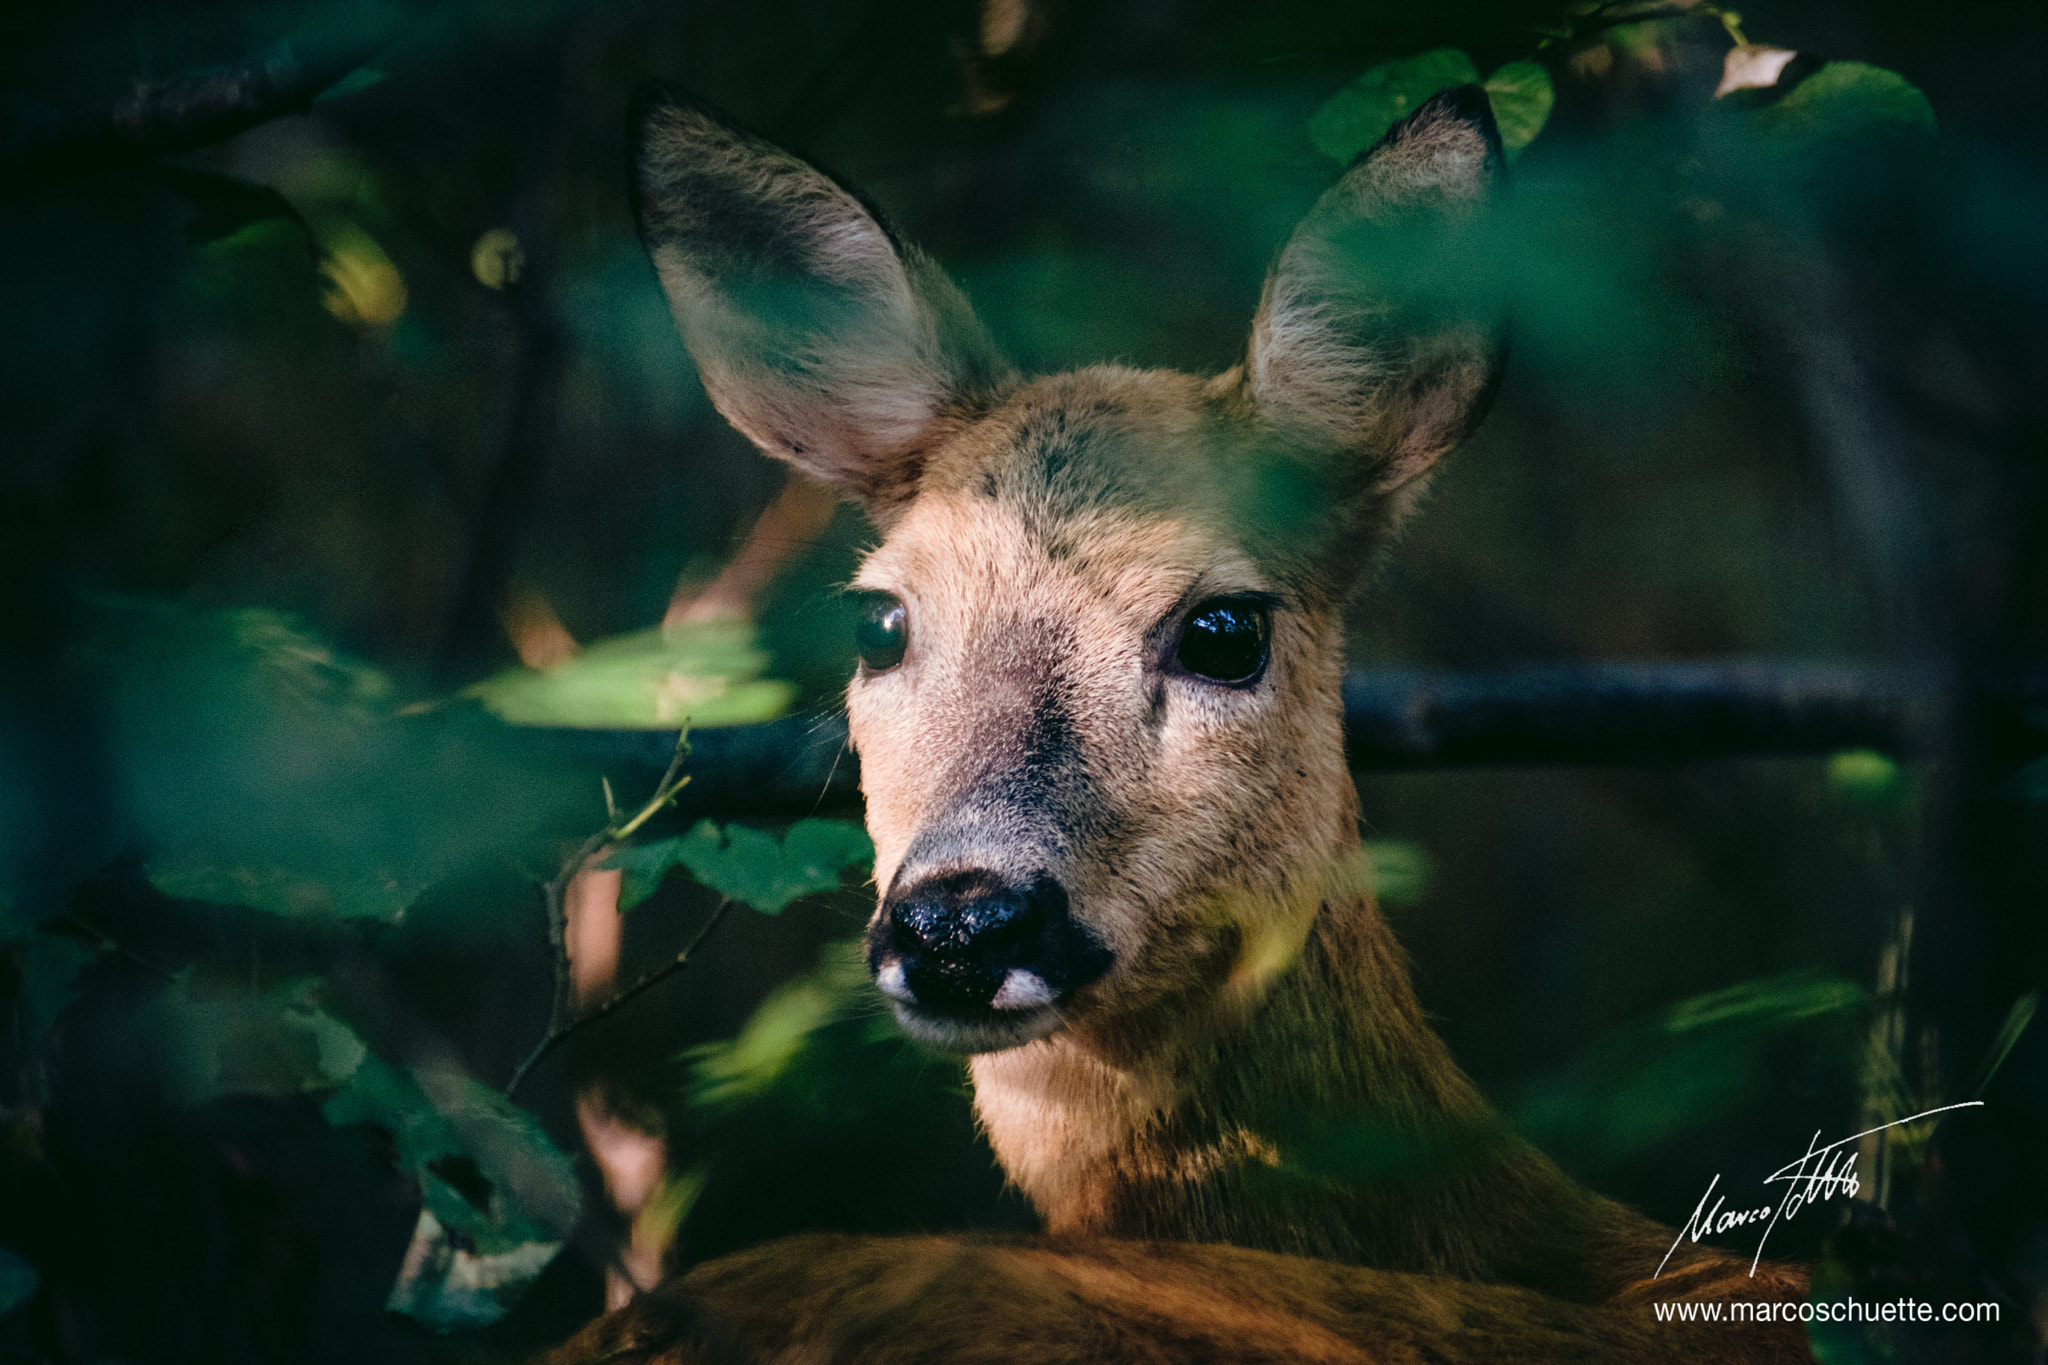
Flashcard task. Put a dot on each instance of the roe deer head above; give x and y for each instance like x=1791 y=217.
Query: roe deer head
x=1098 y=706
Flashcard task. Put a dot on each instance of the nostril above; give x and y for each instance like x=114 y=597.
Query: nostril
x=966 y=910
x=979 y=945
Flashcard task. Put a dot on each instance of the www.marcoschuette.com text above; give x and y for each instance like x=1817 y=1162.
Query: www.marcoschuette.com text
x=1837 y=1310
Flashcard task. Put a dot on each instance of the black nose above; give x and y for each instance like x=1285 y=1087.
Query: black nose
x=968 y=943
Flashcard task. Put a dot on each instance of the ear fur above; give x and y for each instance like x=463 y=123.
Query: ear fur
x=822 y=339
x=1376 y=342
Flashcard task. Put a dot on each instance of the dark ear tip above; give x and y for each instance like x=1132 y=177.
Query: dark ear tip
x=656 y=96
x=1467 y=104
x=650 y=96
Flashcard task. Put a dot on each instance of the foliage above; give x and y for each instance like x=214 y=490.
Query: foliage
x=1849 y=102
x=748 y=865
x=819 y=1113
x=701 y=675
x=231 y=1041
x=487 y=1170
x=256 y=765
x=1357 y=116
x=1641 y=1085
x=1400 y=870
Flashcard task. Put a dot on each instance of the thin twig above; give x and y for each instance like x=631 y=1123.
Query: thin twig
x=556 y=1037
x=614 y=833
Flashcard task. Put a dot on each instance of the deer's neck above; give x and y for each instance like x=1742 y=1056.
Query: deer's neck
x=1329 y=1121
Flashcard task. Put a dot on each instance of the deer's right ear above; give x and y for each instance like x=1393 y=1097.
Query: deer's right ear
x=1379 y=339
x=822 y=339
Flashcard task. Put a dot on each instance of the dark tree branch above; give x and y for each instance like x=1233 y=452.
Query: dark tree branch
x=189 y=111
x=1568 y=713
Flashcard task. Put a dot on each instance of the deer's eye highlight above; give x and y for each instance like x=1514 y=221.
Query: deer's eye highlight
x=1225 y=639
x=883 y=633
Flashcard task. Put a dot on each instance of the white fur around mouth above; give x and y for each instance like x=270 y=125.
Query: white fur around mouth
x=992 y=1033
x=890 y=980
x=1021 y=990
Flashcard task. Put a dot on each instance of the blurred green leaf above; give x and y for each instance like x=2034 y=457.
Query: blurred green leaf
x=255 y=765
x=1521 y=94
x=1400 y=870
x=223 y=204
x=1864 y=774
x=705 y=674
x=18 y=1281
x=1359 y=115
x=2016 y=1021
x=1769 y=1002
x=278 y=1042
x=749 y=865
x=822 y=1113
x=1650 y=1081
x=1848 y=102
x=362 y=78
x=486 y=1169
x=498 y=1197
x=726 y=1074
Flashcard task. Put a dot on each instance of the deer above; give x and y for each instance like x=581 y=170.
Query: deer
x=1117 y=851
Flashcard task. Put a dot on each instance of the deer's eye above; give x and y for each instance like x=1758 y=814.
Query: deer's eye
x=1225 y=639
x=883 y=633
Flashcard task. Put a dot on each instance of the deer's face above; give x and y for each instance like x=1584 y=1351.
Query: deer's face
x=1098 y=736
x=1097 y=711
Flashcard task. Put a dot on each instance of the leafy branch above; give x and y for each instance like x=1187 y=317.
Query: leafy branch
x=615 y=832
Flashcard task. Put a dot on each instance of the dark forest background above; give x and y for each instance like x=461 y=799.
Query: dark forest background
x=311 y=418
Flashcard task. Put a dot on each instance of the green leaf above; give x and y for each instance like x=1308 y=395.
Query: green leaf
x=704 y=675
x=449 y=1285
x=498 y=1198
x=18 y=1282
x=277 y=1042
x=747 y=864
x=1400 y=870
x=1647 y=1082
x=1359 y=115
x=255 y=765
x=728 y=1073
x=1848 y=103
x=1522 y=96
x=223 y=204
x=487 y=1170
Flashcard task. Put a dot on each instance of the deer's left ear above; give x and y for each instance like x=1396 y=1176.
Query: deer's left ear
x=1377 y=343
x=825 y=341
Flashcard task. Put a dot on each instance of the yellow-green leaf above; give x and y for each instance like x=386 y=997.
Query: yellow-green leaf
x=705 y=674
x=1521 y=94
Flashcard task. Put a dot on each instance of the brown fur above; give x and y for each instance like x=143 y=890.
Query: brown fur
x=1244 y=1140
